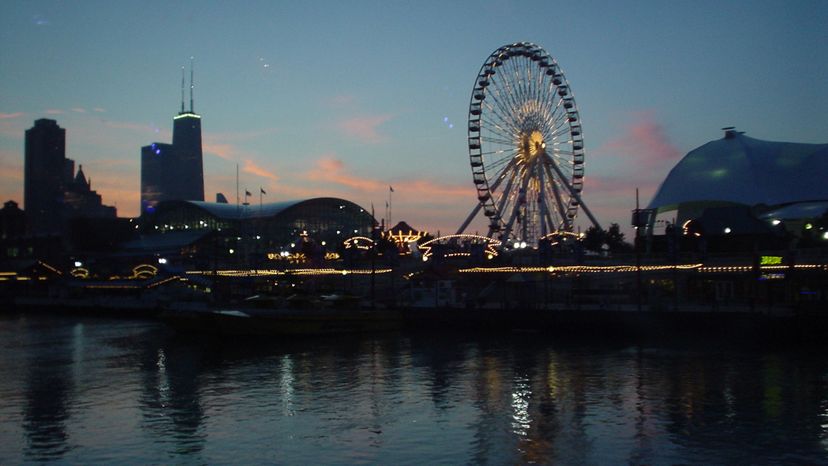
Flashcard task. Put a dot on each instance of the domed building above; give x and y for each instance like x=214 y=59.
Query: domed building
x=778 y=183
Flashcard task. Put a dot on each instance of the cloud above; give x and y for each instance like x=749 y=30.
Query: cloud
x=78 y=109
x=98 y=110
x=639 y=157
x=332 y=170
x=7 y=116
x=645 y=141
x=364 y=128
x=222 y=151
x=253 y=169
x=53 y=111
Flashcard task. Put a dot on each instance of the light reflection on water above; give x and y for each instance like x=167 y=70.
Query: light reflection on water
x=101 y=391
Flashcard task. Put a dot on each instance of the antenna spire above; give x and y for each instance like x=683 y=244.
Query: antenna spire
x=182 y=88
x=191 y=84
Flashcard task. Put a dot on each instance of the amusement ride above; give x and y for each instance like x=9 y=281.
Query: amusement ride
x=526 y=147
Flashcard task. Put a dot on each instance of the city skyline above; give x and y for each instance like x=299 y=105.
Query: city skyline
x=348 y=100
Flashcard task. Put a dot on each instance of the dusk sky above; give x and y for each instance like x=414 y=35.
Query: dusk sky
x=348 y=98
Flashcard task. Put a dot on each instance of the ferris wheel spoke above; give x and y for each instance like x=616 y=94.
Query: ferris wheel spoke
x=496 y=136
x=513 y=97
x=499 y=179
x=560 y=130
x=503 y=165
x=503 y=110
x=550 y=96
x=503 y=134
x=520 y=96
x=495 y=140
x=499 y=115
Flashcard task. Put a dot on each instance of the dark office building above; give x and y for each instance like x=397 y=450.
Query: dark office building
x=52 y=191
x=81 y=201
x=12 y=221
x=174 y=172
x=45 y=170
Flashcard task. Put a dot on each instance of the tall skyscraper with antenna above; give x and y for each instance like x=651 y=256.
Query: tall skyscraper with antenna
x=175 y=171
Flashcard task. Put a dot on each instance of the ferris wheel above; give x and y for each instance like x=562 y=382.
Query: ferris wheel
x=526 y=147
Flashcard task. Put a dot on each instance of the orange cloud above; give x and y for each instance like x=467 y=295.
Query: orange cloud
x=364 y=128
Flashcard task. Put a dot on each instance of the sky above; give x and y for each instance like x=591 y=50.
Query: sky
x=345 y=99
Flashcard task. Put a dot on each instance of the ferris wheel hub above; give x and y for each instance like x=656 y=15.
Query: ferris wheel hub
x=532 y=145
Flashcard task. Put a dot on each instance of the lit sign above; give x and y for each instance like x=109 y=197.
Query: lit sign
x=771 y=260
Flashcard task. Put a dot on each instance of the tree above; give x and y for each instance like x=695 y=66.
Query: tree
x=615 y=239
x=595 y=238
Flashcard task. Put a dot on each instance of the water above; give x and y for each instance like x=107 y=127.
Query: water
x=87 y=391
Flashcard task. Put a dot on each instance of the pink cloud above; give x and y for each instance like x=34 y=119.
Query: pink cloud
x=78 y=110
x=645 y=140
x=364 y=128
x=332 y=170
x=54 y=111
x=253 y=169
x=222 y=151
x=6 y=116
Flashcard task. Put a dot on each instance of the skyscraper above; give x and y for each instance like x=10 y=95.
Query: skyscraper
x=52 y=192
x=44 y=174
x=174 y=171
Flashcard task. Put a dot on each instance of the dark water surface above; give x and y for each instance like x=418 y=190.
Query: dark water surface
x=83 y=391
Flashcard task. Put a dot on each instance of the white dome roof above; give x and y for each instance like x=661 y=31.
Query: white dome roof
x=747 y=171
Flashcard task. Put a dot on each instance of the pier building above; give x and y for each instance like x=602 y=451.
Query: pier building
x=251 y=234
x=780 y=184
